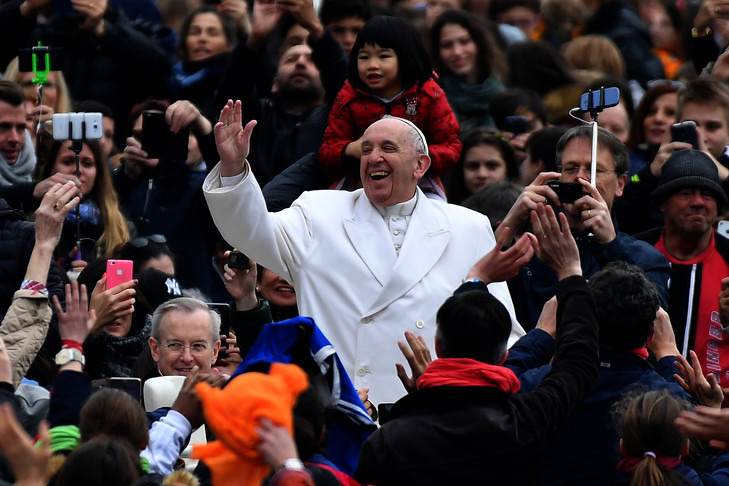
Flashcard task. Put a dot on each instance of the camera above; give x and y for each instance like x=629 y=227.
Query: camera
x=567 y=192
x=238 y=260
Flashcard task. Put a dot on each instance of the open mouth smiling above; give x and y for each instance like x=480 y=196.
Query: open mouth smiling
x=379 y=174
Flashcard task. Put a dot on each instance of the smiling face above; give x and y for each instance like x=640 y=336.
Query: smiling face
x=12 y=131
x=660 y=117
x=458 y=52
x=66 y=164
x=276 y=290
x=390 y=168
x=378 y=69
x=206 y=37
x=481 y=165
x=190 y=329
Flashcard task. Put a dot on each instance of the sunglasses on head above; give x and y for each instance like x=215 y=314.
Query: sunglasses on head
x=143 y=241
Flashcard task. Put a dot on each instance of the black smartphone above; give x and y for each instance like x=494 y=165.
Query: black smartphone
x=224 y=312
x=238 y=260
x=159 y=142
x=517 y=125
x=685 y=132
x=567 y=192
x=46 y=59
x=127 y=384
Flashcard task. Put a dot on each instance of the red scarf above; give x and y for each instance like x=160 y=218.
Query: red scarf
x=627 y=464
x=468 y=372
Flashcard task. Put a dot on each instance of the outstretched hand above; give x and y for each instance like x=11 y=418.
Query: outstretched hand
x=232 y=139
x=76 y=322
x=706 y=390
x=418 y=358
x=556 y=246
x=706 y=423
x=497 y=265
x=29 y=464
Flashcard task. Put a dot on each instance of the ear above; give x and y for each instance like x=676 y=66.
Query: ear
x=503 y=358
x=622 y=449
x=662 y=206
x=154 y=349
x=422 y=166
x=622 y=180
x=438 y=351
x=274 y=87
x=216 y=350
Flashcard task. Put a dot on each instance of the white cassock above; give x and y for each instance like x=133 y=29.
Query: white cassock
x=334 y=247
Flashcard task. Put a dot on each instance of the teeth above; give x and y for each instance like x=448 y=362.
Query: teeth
x=379 y=174
x=285 y=289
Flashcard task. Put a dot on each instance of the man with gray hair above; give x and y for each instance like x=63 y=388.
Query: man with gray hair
x=590 y=219
x=367 y=265
x=185 y=333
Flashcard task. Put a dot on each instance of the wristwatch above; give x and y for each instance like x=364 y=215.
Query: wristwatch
x=67 y=355
x=293 y=463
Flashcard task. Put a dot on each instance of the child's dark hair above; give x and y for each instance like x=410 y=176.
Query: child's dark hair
x=396 y=34
x=645 y=423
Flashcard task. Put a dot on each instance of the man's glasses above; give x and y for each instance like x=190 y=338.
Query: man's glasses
x=178 y=348
x=143 y=241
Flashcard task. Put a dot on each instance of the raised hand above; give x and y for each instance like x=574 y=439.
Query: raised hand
x=232 y=139
x=417 y=354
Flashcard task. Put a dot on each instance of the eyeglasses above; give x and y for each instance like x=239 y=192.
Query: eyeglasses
x=143 y=241
x=670 y=82
x=178 y=348
x=574 y=170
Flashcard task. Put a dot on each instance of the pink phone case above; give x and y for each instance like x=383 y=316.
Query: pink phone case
x=118 y=272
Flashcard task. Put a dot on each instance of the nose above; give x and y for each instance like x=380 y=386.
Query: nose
x=15 y=134
x=697 y=199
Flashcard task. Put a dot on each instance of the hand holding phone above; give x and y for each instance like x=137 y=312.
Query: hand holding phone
x=685 y=132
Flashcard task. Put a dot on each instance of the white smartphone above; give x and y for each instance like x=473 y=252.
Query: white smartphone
x=77 y=126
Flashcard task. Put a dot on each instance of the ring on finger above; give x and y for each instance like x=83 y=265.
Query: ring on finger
x=56 y=207
x=588 y=212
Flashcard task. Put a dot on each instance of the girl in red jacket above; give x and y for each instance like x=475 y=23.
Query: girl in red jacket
x=389 y=74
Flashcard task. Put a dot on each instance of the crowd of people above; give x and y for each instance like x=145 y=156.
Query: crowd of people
x=371 y=242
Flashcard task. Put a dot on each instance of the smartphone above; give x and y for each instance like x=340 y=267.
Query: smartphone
x=223 y=311
x=238 y=260
x=159 y=142
x=132 y=386
x=567 y=192
x=517 y=125
x=39 y=59
x=723 y=229
x=77 y=126
x=685 y=132
x=118 y=272
x=599 y=99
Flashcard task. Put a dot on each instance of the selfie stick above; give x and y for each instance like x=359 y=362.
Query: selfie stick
x=41 y=76
x=77 y=144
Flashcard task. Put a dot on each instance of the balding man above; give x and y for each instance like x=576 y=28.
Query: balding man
x=367 y=265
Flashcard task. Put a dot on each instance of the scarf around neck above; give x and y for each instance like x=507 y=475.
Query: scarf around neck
x=22 y=169
x=468 y=372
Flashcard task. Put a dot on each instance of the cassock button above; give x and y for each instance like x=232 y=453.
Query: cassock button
x=361 y=372
x=420 y=324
